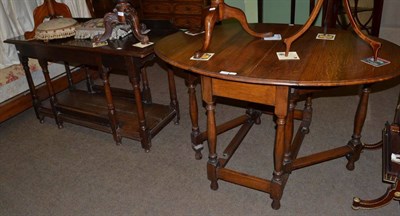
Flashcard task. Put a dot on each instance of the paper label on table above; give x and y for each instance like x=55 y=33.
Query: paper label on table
x=378 y=63
x=140 y=45
x=193 y=33
x=274 y=37
x=323 y=36
x=228 y=73
x=204 y=57
x=290 y=56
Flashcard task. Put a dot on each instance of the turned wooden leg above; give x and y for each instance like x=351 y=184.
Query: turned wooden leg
x=53 y=98
x=134 y=79
x=289 y=135
x=212 y=164
x=35 y=99
x=146 y=87
x=71 y=85
x=197 y=145
x=355 y=142
x=304 y=127
x=212 y=145
x=174 y=104
x=112 y=115
x=89 y=81
x=281 y=112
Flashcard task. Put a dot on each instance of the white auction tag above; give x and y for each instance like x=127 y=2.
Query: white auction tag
x=290 y=56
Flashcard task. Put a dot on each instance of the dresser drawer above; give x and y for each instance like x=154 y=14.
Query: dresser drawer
x=187 y=22
x=193 y=9
x=157 y=7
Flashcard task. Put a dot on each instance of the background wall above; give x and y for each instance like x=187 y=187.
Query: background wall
x=390 y=24
x=275 y=11
x=278 y=11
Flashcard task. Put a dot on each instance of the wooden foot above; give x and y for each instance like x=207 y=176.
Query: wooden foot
x=214 y=185
x=276 y=204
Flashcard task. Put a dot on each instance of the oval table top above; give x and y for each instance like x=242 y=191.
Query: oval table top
x=322 y=62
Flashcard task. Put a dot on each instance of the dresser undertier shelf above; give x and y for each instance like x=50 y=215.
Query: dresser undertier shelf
x=90 y=110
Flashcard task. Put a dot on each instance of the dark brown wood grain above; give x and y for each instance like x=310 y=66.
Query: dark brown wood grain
x=128 y=114
x=263 y=79
x=322 y=63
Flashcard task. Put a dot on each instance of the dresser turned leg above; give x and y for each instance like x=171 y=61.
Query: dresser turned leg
x=198 y=155
x=276 y=204
x=214 y=185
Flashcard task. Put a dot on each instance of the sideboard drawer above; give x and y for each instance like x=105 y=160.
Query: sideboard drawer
x=183 y=13
x=193 y=9
x=188 y=22
x=157 y=8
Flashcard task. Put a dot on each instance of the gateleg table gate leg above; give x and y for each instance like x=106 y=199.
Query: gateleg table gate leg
x=197 y=145
x=355 y=142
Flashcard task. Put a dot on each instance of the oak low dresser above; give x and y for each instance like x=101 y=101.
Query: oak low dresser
x=123 y=113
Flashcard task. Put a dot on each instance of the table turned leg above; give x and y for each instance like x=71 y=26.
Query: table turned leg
x=53 y=98
x=289 y=134
x=112 y=114
x=197 y=145
x=304 y=128
x=355 y=142
x=278 y=180
x=35 y=99
x=212 y=164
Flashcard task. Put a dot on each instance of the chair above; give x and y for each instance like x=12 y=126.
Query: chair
x=49 y=8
